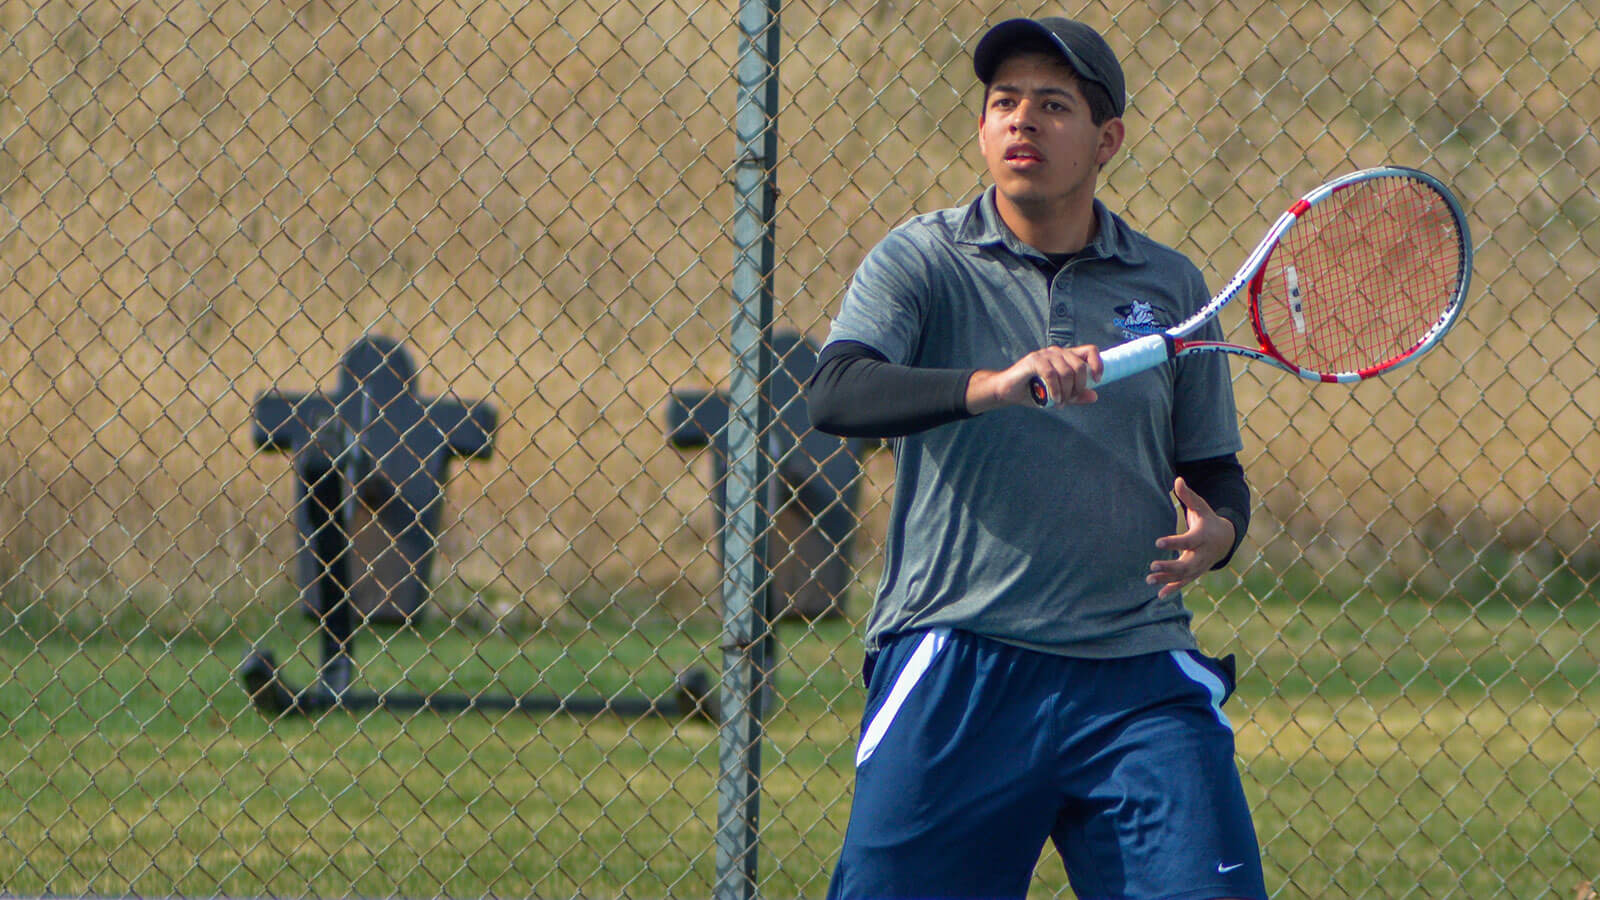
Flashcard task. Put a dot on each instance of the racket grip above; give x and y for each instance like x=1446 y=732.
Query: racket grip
x=1135 y=356
x=1117 y=363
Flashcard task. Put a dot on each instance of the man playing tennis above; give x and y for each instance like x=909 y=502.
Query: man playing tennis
x=1031 y=671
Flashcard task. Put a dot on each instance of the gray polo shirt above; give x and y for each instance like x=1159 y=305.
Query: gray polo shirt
x=1037 y=527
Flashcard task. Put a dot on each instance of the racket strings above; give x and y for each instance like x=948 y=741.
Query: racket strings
x=1362 y=278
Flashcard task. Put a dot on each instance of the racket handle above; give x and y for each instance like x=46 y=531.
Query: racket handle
x=1135 y=356
x=1118 y=363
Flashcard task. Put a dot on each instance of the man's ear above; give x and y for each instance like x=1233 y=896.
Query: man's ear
x=1112 y=134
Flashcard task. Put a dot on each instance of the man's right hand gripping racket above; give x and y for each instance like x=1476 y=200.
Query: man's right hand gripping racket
x=1363 y=274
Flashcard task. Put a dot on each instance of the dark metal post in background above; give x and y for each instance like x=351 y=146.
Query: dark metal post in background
x=747 y=634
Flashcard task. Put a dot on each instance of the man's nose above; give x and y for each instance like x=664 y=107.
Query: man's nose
x=1022 y=119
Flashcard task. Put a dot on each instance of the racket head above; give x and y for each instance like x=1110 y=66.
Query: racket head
x=1371 y=272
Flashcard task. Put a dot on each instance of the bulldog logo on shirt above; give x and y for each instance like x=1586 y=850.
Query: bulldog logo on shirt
x=1140 y=318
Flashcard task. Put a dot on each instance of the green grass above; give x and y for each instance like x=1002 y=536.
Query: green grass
x=1399 y=747
x=1391 y=748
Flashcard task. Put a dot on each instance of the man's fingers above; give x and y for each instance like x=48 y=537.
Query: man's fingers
x=1171 y=578
x=1067 y=373
x=1189 y=540
x=1187 y=496
x=1182 y=567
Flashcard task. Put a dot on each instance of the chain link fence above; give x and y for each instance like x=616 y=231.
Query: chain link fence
x=214 y=212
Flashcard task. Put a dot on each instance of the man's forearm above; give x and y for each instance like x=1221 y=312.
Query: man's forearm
x=856 y=392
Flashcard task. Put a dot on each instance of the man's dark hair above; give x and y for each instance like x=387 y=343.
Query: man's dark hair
x=1101 y=109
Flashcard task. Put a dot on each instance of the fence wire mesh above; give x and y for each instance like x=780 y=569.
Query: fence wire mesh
x=211 y=209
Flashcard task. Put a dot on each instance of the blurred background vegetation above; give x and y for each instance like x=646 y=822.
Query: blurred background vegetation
x=200 y=201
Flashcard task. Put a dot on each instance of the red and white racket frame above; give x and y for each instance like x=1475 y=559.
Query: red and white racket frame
x=1152 y=350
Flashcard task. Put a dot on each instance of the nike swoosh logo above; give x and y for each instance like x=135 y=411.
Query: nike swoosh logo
x=1223 y=870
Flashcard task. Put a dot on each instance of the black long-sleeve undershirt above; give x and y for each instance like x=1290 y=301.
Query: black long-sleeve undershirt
x=856 y=392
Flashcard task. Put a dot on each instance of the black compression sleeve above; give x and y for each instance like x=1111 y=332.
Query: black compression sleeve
x=856 y=392
x=1219 y=480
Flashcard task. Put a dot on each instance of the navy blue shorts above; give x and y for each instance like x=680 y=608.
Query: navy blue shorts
x=974 y=752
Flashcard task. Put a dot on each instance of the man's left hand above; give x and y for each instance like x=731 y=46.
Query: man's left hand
x=1202 y=545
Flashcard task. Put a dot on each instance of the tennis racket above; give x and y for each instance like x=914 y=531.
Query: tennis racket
x=1363 y=274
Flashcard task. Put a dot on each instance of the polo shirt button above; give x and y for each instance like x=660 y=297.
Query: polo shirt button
x=1060 y=309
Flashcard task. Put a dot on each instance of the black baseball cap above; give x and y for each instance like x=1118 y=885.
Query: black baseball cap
x=1080 y=45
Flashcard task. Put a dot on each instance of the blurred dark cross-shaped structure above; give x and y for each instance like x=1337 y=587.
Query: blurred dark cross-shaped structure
x=370 y=462
x=812 y=496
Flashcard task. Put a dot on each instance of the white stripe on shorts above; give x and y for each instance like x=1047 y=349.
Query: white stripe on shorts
x=915 y=668
x=1206 y=679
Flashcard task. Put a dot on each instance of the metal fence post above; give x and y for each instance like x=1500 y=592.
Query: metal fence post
x=747 y=634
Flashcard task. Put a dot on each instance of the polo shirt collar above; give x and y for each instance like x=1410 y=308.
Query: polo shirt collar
x=982 y=225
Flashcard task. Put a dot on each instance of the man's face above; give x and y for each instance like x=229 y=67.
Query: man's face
x=1038 y=139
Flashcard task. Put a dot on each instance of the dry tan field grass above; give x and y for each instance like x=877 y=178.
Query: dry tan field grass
x=203 y=200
